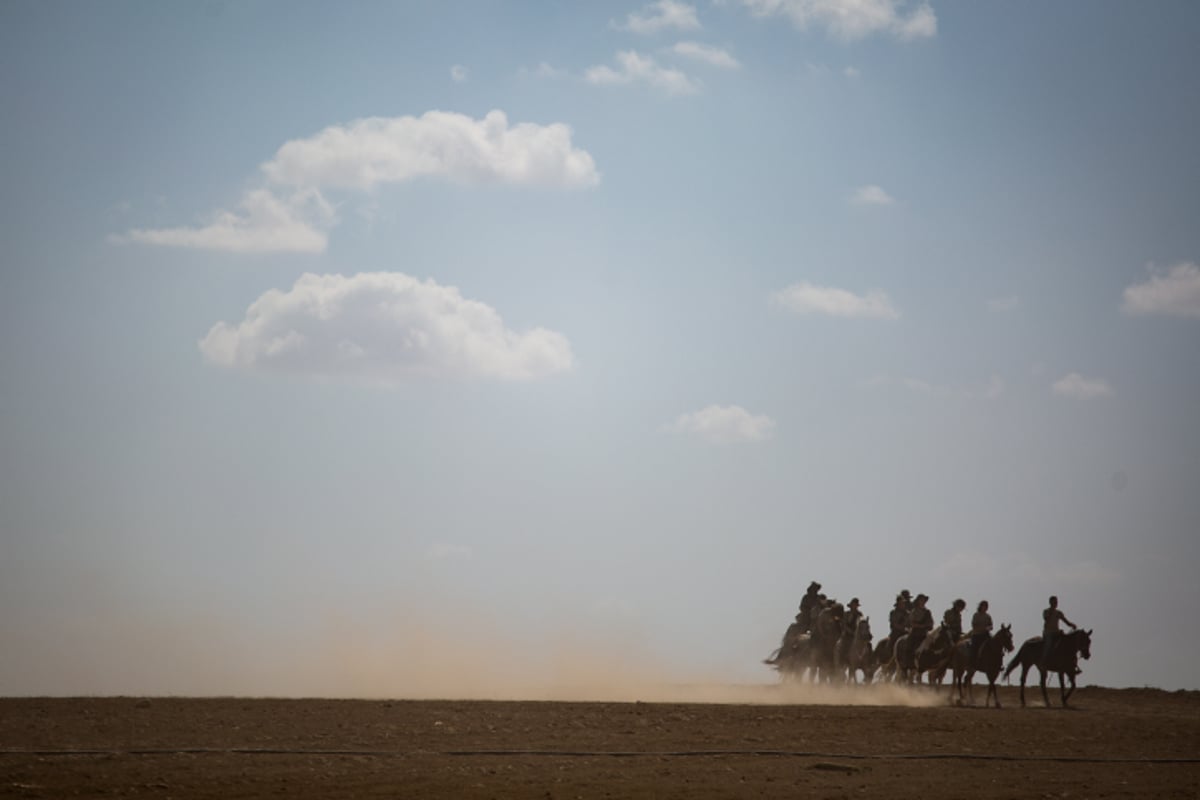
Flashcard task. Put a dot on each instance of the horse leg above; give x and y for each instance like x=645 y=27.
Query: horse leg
x=1043 y=674
x=1024 y=672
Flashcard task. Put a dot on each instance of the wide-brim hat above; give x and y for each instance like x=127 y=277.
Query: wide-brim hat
x=853 y=601
x=922 y=597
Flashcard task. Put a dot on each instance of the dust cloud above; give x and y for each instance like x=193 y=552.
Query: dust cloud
x=339 y=657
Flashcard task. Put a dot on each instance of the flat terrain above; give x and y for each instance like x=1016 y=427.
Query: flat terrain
x=1114 y=743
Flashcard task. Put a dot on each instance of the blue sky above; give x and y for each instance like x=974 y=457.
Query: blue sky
x=597 y=331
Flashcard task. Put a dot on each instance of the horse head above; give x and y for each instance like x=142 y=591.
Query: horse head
x=1084 y=643
x=864 y=629
x=1005 y=637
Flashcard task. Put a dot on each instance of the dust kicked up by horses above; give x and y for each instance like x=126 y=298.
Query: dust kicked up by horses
x=829 y=643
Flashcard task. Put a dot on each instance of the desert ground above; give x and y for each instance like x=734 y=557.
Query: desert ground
x=769 y=741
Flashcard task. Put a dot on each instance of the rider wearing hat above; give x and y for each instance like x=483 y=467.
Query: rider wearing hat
x=810 y=600
x=920 y=620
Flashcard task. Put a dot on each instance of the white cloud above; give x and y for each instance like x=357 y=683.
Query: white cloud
x=723 y=425
x=1075 y=385
x=289 y=213
x=706 y=53
x=636 y=68
x=378 y=150
x=805 y=298
x=852 y=19
x=851 y=72
x=381 y=327
x=1001 y=305
x=871 y=196
x=1175 y=293
x=458 y=73
x=265 y=223
x=661 y=15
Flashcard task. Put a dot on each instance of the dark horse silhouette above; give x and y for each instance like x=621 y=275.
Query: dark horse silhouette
x=989 y=660
x=1063 y=658
x=793 y=657
x=908 y=664
x=857 y=654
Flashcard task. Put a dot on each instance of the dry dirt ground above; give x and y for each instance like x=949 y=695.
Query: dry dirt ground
x=1114 y=743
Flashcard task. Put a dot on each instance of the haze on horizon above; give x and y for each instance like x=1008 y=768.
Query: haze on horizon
x=548 y=350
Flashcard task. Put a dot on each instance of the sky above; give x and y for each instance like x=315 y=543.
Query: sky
x=465 y=348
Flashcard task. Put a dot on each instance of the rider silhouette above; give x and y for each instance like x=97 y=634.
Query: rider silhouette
x=1050 y=629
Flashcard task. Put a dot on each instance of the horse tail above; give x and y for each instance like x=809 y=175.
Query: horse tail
x=1012 y=665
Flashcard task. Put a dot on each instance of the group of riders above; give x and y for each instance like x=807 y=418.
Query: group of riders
x=832 y=641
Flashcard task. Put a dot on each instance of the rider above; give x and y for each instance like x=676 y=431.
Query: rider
x=898 y=619
x=1050 y=629
x=920 y=620
x=981 y=629
x=849 y=629
x=952 y=620
x=810 y=599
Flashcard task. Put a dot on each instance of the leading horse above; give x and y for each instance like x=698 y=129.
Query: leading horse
x=1063 y=659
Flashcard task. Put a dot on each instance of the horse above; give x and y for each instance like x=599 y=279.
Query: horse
x=989 y=660
x=793 y=657
x=910 y=661
x=859 y=653
x=1064 y=656
x=883 y=657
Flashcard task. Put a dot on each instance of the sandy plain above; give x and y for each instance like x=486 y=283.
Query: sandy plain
x=770 y=741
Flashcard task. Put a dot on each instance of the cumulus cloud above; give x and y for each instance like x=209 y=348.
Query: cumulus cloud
x=706 y=53
x=381 y=327
x=264 y=223
x=871 y=196
x=806 y=298
x=636 y=68
x=1175 y=292
x=662 y=15
x=849 y=20
x=379 y=150
x=458 y=73
x=289 y=214
x=723 y=425
x=1075 y=385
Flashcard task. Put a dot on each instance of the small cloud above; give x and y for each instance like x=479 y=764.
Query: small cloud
x=805 y=298
x=543 y=70
x=849 y=20
x=661 y=15
x=1173 y=293
x=851 y=72
x=723 y=425
x=636 y=68
x=443 y=551
x=265 y=223
x=1001 y=305
x=871 y=196
x=458 y=73
x=706 y=53
x=381 y=327
x=1075 y=385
